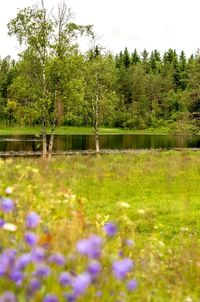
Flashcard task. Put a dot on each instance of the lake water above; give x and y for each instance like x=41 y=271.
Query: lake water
x=19 y=143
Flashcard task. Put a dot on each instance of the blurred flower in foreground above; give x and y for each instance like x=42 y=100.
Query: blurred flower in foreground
x=94 y=268
x=9 y=227
x=2 y=222
x=65 y=278
x=131 y=284
x=90 y=247
x=57 y=258
x=50 y=298
x=32 y=220
x=122 y=267
x=8 y=190
x=6 y=204
x=81 y=283
x=30 y=238
x=110 y=228
x=8 y=297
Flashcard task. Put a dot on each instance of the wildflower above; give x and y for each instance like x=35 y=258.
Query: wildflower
x=42 y=271
x=69 y=297
x=94 y=268
x=34 y=285
x=81 y=283
x=17 y=276
x=32 y=220
x=58 y=259
x=122 y=267
x=90 y=247
x=30 y=238
x=8 y=190
x=8 y=297
x=129 y=242
x=23 y=261
x=7 y=205
x=7 y=259
x=131 y=284
x=110 y=229
x=10 y=227
x=65 y=278
x=50 y=298
x=38 y=254
x=2 y=222
x=98 y=293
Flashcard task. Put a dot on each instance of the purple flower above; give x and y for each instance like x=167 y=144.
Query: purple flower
x=7 y=205
x=57 y=258
x=17 y=276
x=30 y=238
x=34 y=285
x=122 y=267
x=65 y=278
x=23 y=261
x=131 y=284
x=38 y=254
x=8 y=297
x=2 y=222
x=110 y=228
x=98 y=293
x=7 y=259
x=81 y=283
x=69 y=297
x=91 y=247
x=94 y=268
x=32 y=220
x=50 y=298
x=42 y=271
x=129 y=242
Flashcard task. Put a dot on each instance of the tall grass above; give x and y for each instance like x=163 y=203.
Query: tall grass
x=153 y=196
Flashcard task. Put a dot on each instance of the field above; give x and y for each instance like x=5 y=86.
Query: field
x=16 y=130
x=152 y=197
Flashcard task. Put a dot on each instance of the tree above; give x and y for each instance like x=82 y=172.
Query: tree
x=100 y=97
x=7 y=74
x=47 y=39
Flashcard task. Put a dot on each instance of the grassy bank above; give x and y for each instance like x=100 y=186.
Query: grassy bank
x=154 y=197
x=81 y=130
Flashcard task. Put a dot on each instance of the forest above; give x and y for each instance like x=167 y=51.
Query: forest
x=53 y=82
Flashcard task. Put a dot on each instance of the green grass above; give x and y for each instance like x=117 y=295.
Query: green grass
x=162 y=190
x=81 y=130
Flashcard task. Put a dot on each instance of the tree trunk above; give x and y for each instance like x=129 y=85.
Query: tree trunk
x=96 y=126
x=44 y=142
x=97 y=141
x=51 y=141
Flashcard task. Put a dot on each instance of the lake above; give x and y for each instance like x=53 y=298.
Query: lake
x=18 y=143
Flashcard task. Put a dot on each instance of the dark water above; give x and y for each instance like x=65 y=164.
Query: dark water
x=86 y=142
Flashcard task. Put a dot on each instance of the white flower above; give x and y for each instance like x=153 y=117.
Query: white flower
x=9 y=227
x=8 y=190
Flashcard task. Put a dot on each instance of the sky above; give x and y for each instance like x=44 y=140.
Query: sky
x=150 y=24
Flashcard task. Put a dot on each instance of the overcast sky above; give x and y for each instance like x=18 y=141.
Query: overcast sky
x=150 y=24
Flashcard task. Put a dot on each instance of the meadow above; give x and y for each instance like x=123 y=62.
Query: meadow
x=153 y=200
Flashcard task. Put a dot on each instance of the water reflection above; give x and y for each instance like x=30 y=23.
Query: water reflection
x=87 y=142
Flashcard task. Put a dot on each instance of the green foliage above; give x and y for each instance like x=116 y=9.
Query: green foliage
x=53 y=83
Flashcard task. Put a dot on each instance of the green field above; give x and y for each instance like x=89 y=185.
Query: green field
x=153 y=196
x=15 y=130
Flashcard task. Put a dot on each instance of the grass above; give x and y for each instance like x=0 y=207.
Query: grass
x=80 y=130
x=154 y=196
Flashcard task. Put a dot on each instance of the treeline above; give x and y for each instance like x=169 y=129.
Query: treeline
x=139 y=90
